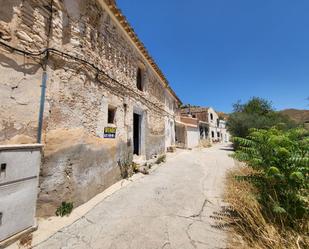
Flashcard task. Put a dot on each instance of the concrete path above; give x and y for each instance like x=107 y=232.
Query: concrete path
x=169 y=208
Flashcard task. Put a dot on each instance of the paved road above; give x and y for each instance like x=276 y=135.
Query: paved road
x=170 y=208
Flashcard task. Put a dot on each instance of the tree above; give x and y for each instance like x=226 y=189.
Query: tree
x=256 y=113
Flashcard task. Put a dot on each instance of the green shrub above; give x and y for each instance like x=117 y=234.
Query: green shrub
x=128 y=168
x=281 y=159
x=256 y=113
x=135 y=167
x=64 y=209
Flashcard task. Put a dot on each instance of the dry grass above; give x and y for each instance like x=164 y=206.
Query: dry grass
x=25 y=242
x=249 y=225
x=205 y=143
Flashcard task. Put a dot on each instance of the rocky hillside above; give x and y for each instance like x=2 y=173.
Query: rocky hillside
x=223 y=115
x=299 y=116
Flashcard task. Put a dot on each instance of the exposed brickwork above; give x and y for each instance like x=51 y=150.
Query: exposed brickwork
x=201 y=113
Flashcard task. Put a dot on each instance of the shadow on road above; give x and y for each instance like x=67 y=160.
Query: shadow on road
x=227 y=149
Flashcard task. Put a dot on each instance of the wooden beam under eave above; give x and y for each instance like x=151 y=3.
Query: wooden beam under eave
x=112 y=8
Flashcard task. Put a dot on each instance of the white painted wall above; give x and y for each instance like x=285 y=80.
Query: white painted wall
x=169 y=132
x=225 y=136
x=213 y=121
x=193 y=136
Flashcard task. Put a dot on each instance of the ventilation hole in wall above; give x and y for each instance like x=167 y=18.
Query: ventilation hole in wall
x=3 y=167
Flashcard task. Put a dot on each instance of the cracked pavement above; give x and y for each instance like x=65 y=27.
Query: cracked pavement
x=170 y=208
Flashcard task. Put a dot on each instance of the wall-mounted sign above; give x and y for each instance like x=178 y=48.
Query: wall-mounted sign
x=110 y=132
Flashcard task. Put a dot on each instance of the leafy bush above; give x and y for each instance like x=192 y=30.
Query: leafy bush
x=281 y=162
x=64 y=209
x=248 y=220
x=256 y=113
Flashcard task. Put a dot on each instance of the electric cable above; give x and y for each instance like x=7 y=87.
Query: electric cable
x=85 y=62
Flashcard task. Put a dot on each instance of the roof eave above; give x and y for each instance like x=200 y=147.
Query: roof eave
x=131 y=33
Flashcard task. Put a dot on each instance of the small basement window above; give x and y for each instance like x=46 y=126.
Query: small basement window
x=2 y=168
x=111 y=115
x=139 y=79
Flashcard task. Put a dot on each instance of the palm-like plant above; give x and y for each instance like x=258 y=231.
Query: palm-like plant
x=281 y=161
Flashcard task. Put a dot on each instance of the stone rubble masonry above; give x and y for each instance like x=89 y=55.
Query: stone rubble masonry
x=201 y=113
x=78 y=162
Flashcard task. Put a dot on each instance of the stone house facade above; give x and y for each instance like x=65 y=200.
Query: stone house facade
x=213 y=120
x=187 y=132
x=225 y=135
x=106 y=99
x=211 y=127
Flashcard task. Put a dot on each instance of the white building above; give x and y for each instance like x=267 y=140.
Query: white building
x=211 y=127
x=187 y=133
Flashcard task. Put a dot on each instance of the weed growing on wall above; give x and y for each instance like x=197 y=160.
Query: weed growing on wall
x=128 y=168
x=161 y=159
x=64 y=209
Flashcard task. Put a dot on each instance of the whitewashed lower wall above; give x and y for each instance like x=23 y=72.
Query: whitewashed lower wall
x=193 y=136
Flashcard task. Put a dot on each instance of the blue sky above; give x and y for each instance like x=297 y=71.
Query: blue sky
x=215 y=52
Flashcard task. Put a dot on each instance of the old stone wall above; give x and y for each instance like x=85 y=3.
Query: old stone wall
x=97 y=71
x=201 y=113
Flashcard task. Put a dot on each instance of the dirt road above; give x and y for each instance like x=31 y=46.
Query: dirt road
x=170 y=208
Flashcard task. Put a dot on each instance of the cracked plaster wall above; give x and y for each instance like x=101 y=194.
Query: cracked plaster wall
x=78 y=161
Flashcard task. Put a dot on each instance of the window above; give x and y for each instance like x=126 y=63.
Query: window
x=193 y=116
x=139 y=79
x=211 y=116
x=3 y=168
x=111 y=115
x=212 y=134
x=218 y=134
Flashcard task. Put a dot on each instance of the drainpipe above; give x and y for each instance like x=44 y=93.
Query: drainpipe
x=42 y=102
